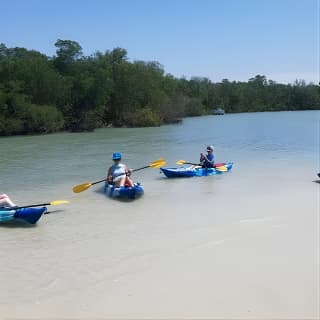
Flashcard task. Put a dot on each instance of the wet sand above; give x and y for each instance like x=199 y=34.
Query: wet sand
x=234 y=246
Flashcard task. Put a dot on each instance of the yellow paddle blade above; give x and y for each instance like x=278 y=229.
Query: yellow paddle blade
x=56 y=202
x=222 y=168
x=181 y=162
x=158 y=163
x=81 y=187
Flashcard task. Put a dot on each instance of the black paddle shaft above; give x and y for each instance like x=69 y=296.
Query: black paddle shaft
x=98 y=181
x=134 y=170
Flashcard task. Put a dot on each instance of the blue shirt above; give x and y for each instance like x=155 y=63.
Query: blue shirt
x=208 y=163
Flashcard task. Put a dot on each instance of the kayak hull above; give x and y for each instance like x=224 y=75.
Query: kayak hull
x=191 y=171
x=124 y=192
x=29 y=215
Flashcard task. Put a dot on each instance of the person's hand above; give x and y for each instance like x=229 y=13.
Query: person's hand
x=129 y=172
x=109 y=179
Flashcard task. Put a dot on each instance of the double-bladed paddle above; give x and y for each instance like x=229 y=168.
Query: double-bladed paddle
x=154 y=164
x=52 y=203
x=84 y=186
x=218 y=167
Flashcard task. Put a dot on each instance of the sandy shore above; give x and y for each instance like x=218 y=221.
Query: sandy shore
x=233 y=253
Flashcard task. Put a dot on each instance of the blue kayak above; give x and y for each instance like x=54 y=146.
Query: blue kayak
x=124 y=192
x=194 y=171
x=30 y=215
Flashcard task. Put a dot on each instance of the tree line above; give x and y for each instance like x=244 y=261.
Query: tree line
x=74 y=92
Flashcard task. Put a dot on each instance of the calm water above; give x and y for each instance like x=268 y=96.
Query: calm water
x=97 y=247
x=275 y=142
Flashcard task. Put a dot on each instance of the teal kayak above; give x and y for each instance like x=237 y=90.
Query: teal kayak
x=30 y=215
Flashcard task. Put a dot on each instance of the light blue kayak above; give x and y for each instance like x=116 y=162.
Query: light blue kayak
x=30 y=215
x=124 y=192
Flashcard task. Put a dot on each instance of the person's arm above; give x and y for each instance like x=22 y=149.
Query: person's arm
x=128 y=171
x=109 y=175
x=206 y=161
x=204 y=157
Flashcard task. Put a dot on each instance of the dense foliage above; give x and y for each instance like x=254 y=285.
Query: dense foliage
x=70 y=91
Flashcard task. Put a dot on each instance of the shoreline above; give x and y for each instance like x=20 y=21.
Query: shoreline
x=257 y=263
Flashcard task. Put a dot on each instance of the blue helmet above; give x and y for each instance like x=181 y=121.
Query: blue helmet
x=116 y=156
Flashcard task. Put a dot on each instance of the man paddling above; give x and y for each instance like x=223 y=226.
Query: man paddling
x=207 y=160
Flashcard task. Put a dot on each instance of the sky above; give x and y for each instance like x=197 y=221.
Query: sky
x=215 y=39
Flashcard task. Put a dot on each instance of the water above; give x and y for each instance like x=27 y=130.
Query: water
x=247 y=230
x=254 y=140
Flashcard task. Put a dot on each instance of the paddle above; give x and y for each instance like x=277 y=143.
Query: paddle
x=84 y=186
x=185 y=162
x=52 y=203
x=154 y=164
x=218 y=167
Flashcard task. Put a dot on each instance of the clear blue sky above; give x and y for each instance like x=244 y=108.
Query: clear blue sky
x=217 y=39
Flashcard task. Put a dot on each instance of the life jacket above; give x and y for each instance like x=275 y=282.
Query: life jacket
x=118 y=171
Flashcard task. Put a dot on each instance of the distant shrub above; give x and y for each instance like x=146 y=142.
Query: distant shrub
x=142 y=118
x=194 y=108
x=42 y=119
x=32 y=119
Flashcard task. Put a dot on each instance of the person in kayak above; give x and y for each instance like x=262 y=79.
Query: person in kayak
x=207 y=160
x=5 y=201
x=118 y=173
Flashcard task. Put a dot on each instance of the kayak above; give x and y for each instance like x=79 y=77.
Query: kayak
x=124 y=192
x=30 y=215
x=193 y=171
